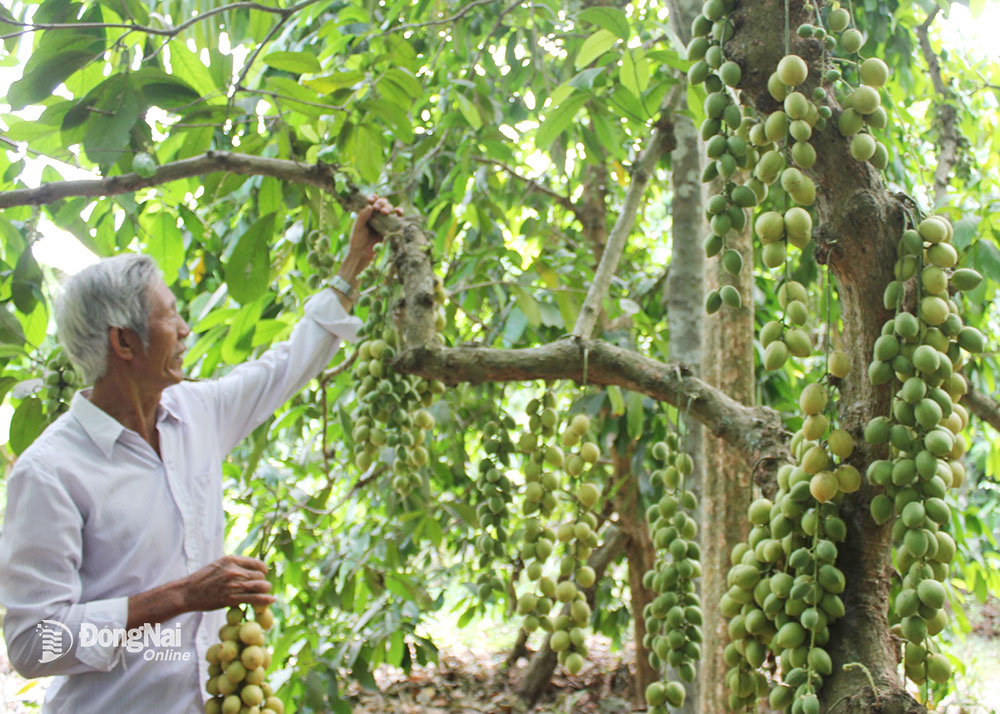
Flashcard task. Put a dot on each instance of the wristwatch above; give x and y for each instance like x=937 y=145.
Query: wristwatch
x=344 y=288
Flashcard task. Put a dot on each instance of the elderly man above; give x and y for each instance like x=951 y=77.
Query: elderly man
x=114 y=515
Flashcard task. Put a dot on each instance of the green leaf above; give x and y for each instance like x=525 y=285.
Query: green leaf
x=635 y=414
x=616 y=399
x=11 y=332
x=528 y=305
x=188 y=67
x=332 y=82
x=269 y=196
x=595 y=46
x=976 y=8
x=59 y=54
x=634 y=73
x=557 y=120
x=294 y=62
x=611 y=19
x=469 y=111
x=366 y=150
x=165 y=244
x=248 y=271
x=26 y=424
x=239 y=340
x=26 y=285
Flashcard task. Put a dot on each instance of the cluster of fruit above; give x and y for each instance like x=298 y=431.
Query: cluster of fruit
x=784 y=586
x=577 y=536
x=60 y=383
x=496 y=493
x=237 y=666
x=923 y=350
x=673 y=618
x=319 y=258
x=390 y=421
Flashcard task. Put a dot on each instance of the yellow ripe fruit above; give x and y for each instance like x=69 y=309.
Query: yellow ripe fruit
x=252 y=695
x=251 y=633
x=848 y=478
x=792 y=70
x=823 y=486
x=228 y=651
x=813 y=399
x=256 y=676
x=580 y=423
x=840 y=364
x=275 y=705
x=231 y=704
x=252 y=657
x=265 y=617
x=841 y=443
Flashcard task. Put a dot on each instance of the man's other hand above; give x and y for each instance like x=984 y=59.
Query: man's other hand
x=231 y=580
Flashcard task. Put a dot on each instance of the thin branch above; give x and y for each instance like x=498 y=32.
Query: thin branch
x=947 y=114
x=660 y=142
x=161 y=31
x=983 y=407
x=533 y=185
x=441 y=21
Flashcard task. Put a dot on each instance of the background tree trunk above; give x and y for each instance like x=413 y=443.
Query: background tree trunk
x=728 y=363
x=641 y=557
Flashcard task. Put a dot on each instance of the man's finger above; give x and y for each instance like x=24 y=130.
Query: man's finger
x=249 y=563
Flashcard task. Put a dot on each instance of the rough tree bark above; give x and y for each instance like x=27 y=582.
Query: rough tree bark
x=859 y=225
x=641 y=557
x=685 y=286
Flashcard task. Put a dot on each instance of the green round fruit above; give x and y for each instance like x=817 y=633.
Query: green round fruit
x=851 y=41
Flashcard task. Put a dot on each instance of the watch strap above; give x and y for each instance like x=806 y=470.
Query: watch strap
x=344 y=287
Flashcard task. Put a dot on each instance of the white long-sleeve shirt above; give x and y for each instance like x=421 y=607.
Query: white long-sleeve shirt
x=94 y=516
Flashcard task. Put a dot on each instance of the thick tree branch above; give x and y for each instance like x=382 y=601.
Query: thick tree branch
x=285 y=12
x=756 y=432
x=984 y=407
x=948 y=138
x=660 y=142
x=321 y=175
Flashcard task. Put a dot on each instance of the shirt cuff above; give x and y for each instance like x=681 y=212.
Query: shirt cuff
x=325 y=309
x=111 y=614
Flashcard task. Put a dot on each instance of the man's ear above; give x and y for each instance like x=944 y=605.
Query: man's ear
x=123 y=342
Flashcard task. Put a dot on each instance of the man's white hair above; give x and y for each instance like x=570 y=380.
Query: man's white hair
x=114 y=292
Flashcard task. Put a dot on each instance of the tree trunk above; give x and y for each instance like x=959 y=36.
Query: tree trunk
x=641 y=557
x=685 y=288
x=539 y=672
x=859 y=223
x=728 y=364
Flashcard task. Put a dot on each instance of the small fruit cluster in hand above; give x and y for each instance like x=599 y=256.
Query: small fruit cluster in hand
x=238 y=666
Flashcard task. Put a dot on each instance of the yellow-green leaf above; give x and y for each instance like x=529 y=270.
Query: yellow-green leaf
x=595 y=46
x=295 y=62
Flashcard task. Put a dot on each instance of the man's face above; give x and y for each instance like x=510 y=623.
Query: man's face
x=161 y=364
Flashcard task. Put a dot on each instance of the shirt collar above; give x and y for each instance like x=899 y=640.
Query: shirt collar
x=101 y=427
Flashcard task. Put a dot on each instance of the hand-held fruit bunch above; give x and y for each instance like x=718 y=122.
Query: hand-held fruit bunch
x=238 y=666
x=673 y=619
x=921 y=351
x=390 y=424
x=577 y=536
